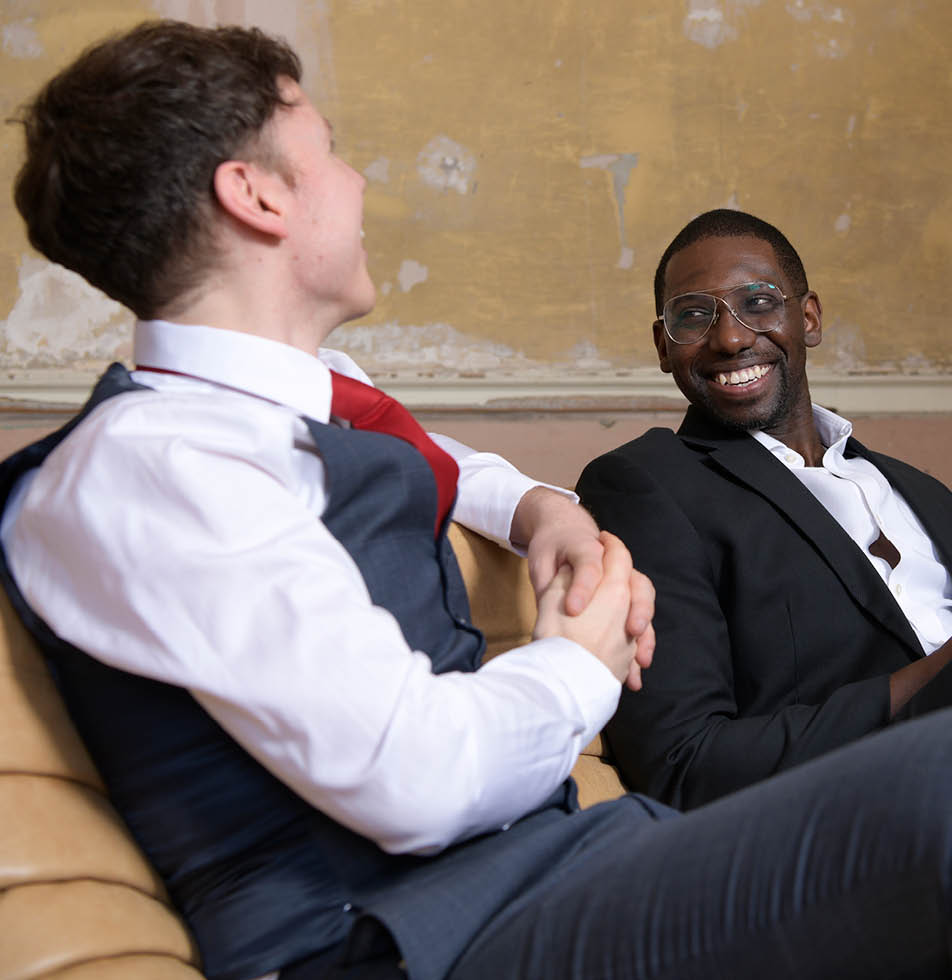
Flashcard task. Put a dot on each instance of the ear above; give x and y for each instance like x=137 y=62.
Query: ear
x=812 y=319
x=661 y=342
x=253 y=196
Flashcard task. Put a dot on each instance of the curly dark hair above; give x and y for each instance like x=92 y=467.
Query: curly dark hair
x=727 y=223
x=122 y=148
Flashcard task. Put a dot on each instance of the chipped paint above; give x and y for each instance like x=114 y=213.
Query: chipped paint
x=713 y=24
x=20 y=39
x=59 y=316
x=445 y=164
x=306 y=26
x=620 y=166
x=378 y=171
x=830 y=13
x=842 y=224
x=847 y=344
x=411 y=274
x=436 y=348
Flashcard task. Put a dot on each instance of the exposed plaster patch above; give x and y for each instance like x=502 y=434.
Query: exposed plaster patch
x=732 y=202
x=849 y=347
x=306 y=26
x=378 y=171
x=386 y=288
x=437 y=350
x=842 y=223
x=584 y=356
x=620 y=166
x=850 y=125
x=711 y=23
x=443 y=163
x=830 y=48
x=20 y=39
x=434 y=348
x=803 y=11
x=59 y=319
x=411 y=274
x=917 y=363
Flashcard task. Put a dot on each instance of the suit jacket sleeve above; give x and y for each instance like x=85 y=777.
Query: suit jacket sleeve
x=682 y=738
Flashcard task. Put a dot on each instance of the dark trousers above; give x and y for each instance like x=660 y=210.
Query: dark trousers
x=835 y=870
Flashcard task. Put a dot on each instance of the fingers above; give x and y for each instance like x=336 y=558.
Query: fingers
x=586 y=576
x=642 y=604
x=551 y=603
x=646 y=646
x=616 y=560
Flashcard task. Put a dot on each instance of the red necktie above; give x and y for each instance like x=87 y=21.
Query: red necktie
x=369 y=408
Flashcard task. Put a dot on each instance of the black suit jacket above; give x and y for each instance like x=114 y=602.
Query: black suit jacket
x=776 y=636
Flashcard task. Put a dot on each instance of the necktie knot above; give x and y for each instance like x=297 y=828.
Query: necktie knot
x=370 y=409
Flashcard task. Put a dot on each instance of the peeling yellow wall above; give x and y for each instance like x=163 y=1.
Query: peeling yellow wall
x=527 y=163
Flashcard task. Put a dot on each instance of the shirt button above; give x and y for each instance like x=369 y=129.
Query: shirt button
x=791 y=457
x=347 y=906
x=898 y=588
x=506 y=826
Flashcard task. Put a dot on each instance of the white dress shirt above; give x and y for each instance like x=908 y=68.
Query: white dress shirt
x=176 y=534
x=865 y=504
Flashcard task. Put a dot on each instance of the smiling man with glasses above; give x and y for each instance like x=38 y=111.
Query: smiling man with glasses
x=803 y=590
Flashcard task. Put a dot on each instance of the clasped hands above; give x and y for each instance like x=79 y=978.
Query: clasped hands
x=586 y=587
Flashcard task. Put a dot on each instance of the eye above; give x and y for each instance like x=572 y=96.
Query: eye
x=760 y=298
x=691 y=309
x=692 y=313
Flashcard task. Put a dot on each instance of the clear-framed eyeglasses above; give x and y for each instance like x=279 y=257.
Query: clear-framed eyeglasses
x=757 y=305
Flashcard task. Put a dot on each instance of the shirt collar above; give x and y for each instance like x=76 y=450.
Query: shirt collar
x=832 y=429
x=251 y=364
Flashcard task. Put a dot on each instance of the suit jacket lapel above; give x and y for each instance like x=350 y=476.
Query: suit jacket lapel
x=741 y=456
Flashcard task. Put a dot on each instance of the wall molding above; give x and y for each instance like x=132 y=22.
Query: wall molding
x=53 y=391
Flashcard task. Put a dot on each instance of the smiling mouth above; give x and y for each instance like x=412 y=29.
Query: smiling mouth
x=744 y=376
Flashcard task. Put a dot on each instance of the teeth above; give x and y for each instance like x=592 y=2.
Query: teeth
x=744 y=376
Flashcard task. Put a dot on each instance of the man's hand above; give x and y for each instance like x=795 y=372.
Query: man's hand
x=909 y=680
x=602 y=627
x=558 y=535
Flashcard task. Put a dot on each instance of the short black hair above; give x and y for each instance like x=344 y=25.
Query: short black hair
x=727 y=223
x=122 y=148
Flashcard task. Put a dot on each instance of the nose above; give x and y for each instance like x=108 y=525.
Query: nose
x=727 y=333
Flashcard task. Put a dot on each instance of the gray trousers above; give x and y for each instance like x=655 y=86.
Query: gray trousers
x=840 y=869
x=837 y=869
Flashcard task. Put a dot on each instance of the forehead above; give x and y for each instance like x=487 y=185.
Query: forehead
x=299 y=115
x=719 y=263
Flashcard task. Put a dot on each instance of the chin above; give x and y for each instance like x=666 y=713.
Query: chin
x=360 y=306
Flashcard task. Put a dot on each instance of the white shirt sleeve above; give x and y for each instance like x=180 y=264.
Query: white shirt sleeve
x=183 y=542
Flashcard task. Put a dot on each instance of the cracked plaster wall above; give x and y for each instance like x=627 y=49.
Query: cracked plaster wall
x=527 y=164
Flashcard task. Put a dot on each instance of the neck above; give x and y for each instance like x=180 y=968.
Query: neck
x=267 y=314
x=797 y=430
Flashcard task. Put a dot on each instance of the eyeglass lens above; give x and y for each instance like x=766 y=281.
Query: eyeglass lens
x=757 y=305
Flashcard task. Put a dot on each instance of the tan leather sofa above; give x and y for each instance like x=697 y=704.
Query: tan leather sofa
x=78 y=900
